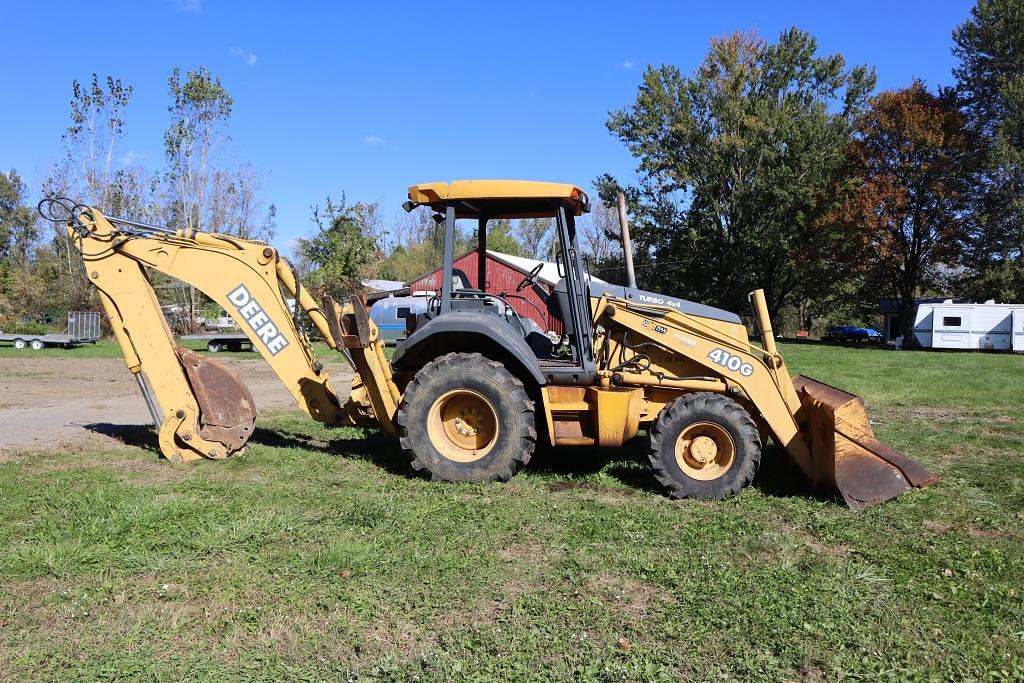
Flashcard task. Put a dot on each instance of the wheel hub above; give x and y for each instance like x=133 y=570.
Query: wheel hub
x=462 y=425
x=705 y=451
x=467 y=421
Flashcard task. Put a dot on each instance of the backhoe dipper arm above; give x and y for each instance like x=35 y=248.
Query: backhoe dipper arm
x=243 y=276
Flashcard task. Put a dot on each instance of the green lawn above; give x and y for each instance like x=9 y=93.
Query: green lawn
x=316 y=556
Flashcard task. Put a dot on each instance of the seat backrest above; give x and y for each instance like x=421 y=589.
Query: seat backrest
x=558 y=306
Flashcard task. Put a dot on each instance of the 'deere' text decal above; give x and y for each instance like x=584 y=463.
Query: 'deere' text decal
x=258 y=320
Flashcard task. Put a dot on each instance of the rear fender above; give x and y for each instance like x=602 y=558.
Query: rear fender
x=468 y=332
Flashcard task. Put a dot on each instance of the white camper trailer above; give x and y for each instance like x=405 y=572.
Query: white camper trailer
x=986 y=327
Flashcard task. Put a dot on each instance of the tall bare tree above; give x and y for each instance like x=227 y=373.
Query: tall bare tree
x=200 y=107
x=97 y=124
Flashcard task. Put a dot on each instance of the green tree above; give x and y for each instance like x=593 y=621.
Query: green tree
x=913 y=154
x=200 y=108
x=739 y=164
x=344 y=249
x=531 y=233
x=17 y=220
x=990 y=78
x=17 y=234
x=500 y=238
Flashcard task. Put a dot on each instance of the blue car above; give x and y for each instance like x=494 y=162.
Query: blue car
x=853 y=333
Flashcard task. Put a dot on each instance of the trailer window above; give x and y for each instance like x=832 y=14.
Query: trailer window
x=951 y=322
x=403 y=312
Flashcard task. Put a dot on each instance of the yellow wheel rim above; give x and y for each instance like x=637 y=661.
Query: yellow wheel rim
x=705 y=451
x=462 y=425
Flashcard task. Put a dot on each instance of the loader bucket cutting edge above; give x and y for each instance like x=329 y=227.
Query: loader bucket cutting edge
x=227 y=408
x=845 y=452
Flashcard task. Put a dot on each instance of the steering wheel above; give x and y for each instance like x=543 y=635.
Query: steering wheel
x=530 y=278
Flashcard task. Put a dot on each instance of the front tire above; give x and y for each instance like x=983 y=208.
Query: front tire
x=704 y=446
x=466 y=418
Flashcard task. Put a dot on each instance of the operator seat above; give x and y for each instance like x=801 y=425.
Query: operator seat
x=558 y=306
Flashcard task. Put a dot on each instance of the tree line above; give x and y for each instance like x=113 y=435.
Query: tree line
x=771 y=165
x=40 y=273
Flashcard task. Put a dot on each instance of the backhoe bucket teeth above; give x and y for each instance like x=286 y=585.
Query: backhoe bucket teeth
x=225 y=404
x=845 y=452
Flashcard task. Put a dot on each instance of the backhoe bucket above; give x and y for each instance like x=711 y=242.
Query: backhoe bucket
x=225 y=404
x=845 y=452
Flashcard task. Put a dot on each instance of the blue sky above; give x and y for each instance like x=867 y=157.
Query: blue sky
x=369 y=97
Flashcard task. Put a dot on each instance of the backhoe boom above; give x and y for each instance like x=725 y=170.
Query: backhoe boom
x=185 y=391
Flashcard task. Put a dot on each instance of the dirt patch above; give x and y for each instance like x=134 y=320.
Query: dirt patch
x=397 y=635
x=597 y=492
x=625 y=596
x=938 y=414
x=933 y=414
x=528 y=552
x=784 y=543
x=986 y=533
x=56 y=403
x=973 y=532
x=807 y=539
x=938 y=527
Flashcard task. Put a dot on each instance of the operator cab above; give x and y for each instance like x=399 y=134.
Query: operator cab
x=458 y=303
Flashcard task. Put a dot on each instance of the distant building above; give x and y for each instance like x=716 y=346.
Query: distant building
x=382 y=285
x=504 y=272
x=951 y=324
x=892 y=326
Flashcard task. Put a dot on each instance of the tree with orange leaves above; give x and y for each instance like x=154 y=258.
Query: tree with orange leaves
x=913 y=153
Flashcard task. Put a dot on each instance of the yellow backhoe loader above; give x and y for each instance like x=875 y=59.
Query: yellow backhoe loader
x=475 y=386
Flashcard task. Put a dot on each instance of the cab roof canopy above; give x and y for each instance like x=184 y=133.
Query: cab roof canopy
x=500 y=198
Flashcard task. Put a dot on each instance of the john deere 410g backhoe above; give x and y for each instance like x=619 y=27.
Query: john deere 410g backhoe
x=474 y=387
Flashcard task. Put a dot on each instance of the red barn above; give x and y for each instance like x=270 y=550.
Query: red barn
x=504 y=272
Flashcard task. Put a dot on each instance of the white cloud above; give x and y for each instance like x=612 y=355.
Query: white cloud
x=189 y=5
x=374 y=140
x=248 y=57
x=130 y=157
x=628 y=64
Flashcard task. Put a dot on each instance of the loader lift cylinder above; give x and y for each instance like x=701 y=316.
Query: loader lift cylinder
x=764 y=322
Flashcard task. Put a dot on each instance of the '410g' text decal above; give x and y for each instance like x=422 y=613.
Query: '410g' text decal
x=731 y=362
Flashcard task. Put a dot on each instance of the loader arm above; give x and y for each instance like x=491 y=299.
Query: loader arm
x=753 y=376
x=248 y=279
x=824 y=430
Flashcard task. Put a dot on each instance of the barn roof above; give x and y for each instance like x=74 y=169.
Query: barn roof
x=548 y=272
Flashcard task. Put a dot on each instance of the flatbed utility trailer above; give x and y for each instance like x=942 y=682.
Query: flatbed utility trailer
x=215 y=343
x=83 y=328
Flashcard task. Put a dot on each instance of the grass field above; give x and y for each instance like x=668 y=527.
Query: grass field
x=316 y=556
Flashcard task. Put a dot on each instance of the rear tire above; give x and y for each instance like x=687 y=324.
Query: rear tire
x=213 y=347
x=37 y=345
x=466 y=418
x=704 y=446
x=20 y=344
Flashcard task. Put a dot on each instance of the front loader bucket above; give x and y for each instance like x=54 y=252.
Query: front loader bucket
x=845 y=452
x=225 y=404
